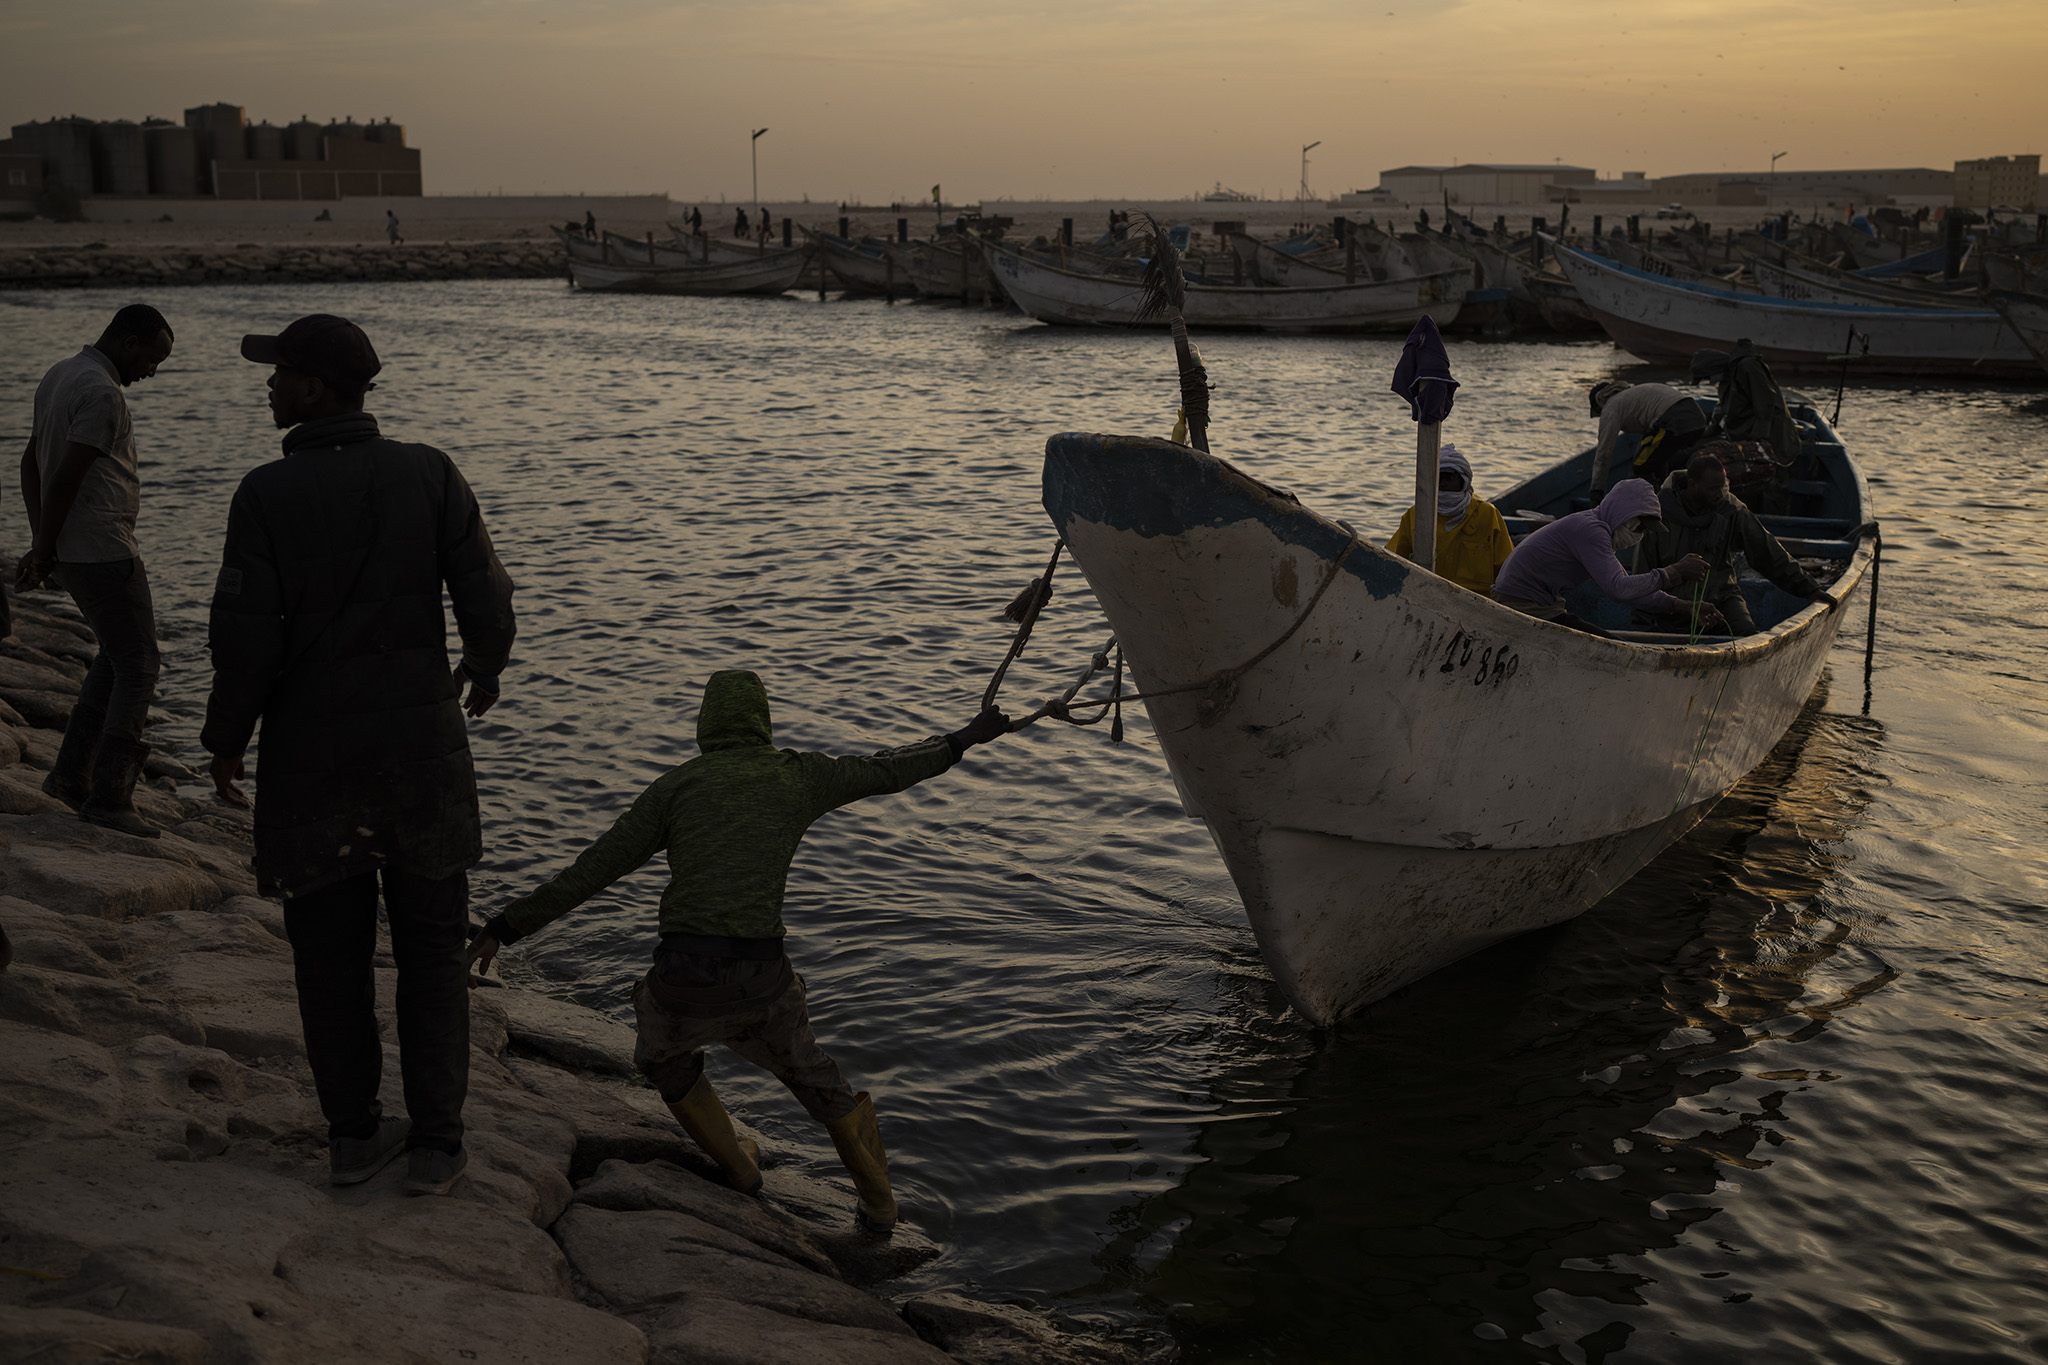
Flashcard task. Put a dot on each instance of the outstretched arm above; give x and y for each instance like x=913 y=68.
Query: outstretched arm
x=634 y=837
x=837 y=781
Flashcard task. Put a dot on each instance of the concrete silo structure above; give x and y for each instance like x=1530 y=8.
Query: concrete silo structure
x=221 y=131
x=65 y=147
x=302 y=140
x=387 y=133
x=120 y=163
x=266 y=142
x=171 y=151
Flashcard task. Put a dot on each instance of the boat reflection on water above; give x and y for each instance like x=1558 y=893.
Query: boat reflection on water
x=1440 y=1170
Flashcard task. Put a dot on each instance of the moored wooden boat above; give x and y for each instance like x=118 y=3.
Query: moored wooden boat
x=2026 y=314
x=770 y=274
x=864 y=267
x=1559 y=302
x=1415 y=771
x=1796 y=282
x=1665 y=321
x=1068 y=298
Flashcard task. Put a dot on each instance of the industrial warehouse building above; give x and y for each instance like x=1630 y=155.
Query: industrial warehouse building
x=1481 y=183
x=215 y=153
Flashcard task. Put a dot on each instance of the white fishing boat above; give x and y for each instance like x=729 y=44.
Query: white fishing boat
x=864 y=267
x=1666 y=320
x=1795 y=282
x=1408 y=771
x=770 y=274
x=2026 y=314
x=1069 y=298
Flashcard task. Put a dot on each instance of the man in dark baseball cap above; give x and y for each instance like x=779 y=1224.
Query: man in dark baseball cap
x=328 y=629
x=319 y=346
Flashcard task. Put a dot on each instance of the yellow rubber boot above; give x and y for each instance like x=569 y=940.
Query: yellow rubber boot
x=710 y=1127
x=859 y=1141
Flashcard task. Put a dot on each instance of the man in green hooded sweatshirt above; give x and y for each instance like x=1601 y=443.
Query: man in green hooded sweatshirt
x=730 y=821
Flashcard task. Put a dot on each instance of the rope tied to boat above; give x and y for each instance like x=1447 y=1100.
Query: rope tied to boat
x=1219 y=689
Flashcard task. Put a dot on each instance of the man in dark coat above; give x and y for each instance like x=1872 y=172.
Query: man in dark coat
x=1701 y=517
x=1751 y=406
x=327 y=627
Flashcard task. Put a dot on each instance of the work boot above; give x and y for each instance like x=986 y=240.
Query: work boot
x=710 y=1127
x=70 y=779
x=111 y=802
x=859 y=1141
x=351 y=1161
x=72 y=794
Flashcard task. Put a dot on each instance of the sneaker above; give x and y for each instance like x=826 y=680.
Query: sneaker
x=429 y=1170
x=126 y=821
x=351 y=1161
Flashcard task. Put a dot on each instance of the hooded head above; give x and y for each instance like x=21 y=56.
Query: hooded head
x=1627 y=500
x=1603 y=392
x=1453 y=503
x=734 y=713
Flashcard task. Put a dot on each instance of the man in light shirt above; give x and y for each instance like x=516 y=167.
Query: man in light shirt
x=79 y=480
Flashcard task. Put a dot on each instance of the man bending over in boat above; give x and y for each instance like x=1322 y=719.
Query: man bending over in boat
x=1557 y=558
x=1704 y=520
x=730 y=821
x=1472 y=541
x=1668 y=422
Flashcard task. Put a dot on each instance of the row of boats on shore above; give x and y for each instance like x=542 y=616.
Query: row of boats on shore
x=1822 y=298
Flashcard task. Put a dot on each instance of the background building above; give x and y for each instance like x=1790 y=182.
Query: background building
x=213 y=152
x=1999 y=182
x=1481 y=183
x=1787 y=189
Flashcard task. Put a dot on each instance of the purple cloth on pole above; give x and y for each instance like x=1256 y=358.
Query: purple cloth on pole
x=1558 y=557
x=1424 y=375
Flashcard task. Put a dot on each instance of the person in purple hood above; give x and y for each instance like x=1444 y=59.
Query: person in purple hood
x=1587 y=545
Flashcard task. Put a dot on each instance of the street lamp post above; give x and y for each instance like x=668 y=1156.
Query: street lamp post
x=754 y=147
x=1771 y=190
x=1303 y=202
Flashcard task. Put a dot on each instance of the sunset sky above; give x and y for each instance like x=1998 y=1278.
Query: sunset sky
x=877 y=99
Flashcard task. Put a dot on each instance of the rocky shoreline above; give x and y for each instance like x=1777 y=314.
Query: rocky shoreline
x=98 y=265
x=163 y=1162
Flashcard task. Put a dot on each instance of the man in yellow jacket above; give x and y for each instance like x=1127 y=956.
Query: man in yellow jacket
x=1472 y=541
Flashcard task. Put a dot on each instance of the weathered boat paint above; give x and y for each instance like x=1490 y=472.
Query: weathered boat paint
x=770 y=274
x=1417 y=772
x=1068 y=298
x=1665 y=321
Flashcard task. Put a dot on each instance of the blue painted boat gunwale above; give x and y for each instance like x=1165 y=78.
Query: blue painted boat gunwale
x=1873 y=312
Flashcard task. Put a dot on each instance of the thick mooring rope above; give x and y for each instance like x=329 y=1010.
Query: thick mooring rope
x=1220 y=686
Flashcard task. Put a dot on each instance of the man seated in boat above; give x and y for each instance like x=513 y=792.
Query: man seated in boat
x=1751 y=406
x=1667 y=421
x=1472 y=541
x=1557 y=558
x=730 y=821
x=1703 y=520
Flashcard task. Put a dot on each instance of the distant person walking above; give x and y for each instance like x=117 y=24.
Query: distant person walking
x=589 y=224
x=80 y=483
x=697 y=221
x=327 y=627
x=739 y=223
x=391 y=227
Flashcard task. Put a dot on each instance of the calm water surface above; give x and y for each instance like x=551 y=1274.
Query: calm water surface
x=1780 y=1098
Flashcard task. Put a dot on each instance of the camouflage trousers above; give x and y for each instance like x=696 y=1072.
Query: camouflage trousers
x=686 y=1002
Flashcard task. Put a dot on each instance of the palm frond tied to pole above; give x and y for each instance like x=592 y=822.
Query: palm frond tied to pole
x=1164 y=293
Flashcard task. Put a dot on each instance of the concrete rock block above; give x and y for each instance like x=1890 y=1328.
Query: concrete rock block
x=705 y=1330
x=21 y=791
x=607 y=1124
x=46 y=710
x=61 y=1336
x=625 y=1187
x=570 y=1034
x=862 y=1257
x=1001 y=1334
x=67 y=664
x=10 y=746
x=456 y=1240
x=248 y=1005
x=638 y=1261
x=54 y=1084
x=18 y=673
x=515 y=1178
x=100 y=882
x=106 y=1010
x=400 y=1317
